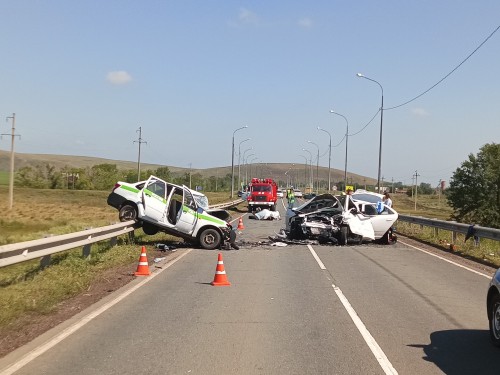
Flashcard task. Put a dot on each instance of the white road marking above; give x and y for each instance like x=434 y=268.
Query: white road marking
x=446 y=260
x=370 y=341
x=86 y=319
x=320 y=263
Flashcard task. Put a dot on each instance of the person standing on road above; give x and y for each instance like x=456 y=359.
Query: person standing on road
x=290 y=197
x=387 y=199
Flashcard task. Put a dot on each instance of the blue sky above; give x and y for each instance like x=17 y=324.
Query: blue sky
x=83 y=76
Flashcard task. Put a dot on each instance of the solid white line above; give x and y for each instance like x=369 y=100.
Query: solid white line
x=86 y=319
x=370 y=341
x=320 y=263
x=446 y=260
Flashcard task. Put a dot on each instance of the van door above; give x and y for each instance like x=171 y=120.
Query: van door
x=154 y=199
x=188 y=217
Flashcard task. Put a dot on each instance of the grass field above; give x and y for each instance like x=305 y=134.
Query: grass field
x=4 y=178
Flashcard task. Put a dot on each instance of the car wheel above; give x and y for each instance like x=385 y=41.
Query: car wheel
x=273 y=207
x=210 y=239
x=149 y=229
x=495 y=320
x=127 y=212
x=343 y=236
x=385 y=238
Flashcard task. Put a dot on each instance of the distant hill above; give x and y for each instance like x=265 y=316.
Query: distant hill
x=261 y=170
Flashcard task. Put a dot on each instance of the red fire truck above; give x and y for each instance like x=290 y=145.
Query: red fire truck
x=263 y=194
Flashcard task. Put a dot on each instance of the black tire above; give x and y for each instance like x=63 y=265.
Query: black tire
x=127 y=212
x=273 y=207
x=343 y=236
x=494 y=320
x=210 y=239
x=385 y=238
x=149 y=229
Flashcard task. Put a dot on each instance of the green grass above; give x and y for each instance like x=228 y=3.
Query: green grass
x=4 y=178
x=434 y=207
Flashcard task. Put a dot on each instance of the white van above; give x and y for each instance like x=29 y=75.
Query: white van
x=173 y=209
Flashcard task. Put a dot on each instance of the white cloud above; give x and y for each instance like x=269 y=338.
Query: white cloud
x=247 y=16
x=306 y=23
x=119 y=77
x=420 y=112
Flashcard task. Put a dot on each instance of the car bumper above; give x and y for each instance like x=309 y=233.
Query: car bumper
x=115 y=200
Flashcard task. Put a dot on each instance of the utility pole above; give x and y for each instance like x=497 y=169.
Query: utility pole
x=139 y=141
x=416 y=187
x=439 y=193
x=190 y=165
x=392 y=181
x=13 y=136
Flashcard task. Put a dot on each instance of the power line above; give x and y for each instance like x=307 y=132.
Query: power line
x=449 y=74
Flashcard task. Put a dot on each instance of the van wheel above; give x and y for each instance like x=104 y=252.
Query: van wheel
x=210 y=239
x=127 y=212
x=149 y=229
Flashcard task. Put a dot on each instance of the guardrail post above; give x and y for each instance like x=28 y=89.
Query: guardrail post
x=113 y=241
x=436 y=232
x=131 y=236
x=45 y=261
x=86 y=251
x=453 y=237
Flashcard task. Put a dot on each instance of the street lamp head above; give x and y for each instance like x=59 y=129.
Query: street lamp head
x=359 y=75
x=332 y=111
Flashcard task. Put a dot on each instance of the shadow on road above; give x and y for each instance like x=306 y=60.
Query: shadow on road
x=461 y=352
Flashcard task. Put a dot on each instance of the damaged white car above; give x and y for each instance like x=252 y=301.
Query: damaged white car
x=173 y=209
x=341 y=219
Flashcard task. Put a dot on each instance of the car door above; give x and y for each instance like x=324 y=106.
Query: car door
x=181 y=212
x=154 y=199
x=383 y=221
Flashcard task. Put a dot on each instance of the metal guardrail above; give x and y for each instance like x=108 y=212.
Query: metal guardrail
x=23 y=251
x=43 y=248
x=454 y=227
x=227 y=204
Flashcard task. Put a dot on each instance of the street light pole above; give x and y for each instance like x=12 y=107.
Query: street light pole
x=381 y=118
x=310 y=167
x=239 y=157
x=317 y=166
x=245 y=162
x=232 y=161
x=305 y=170
x=346 y=140
x=329 y=155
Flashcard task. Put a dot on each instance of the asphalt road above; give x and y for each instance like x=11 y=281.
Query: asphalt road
x=368 y=309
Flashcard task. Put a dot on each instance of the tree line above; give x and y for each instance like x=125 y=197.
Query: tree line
x=104 y=177
x=473 y=192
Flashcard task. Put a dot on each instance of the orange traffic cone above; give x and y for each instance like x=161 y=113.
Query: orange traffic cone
x=143 y=267
x=220 y=278
x=240 y=224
